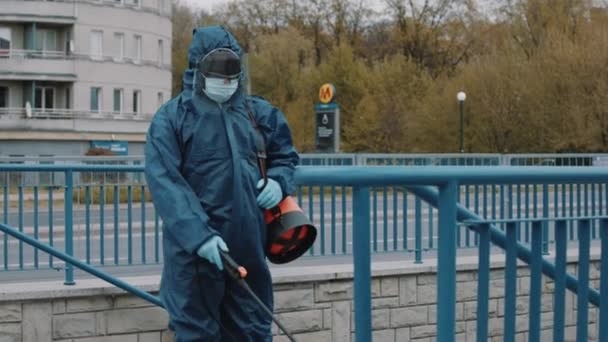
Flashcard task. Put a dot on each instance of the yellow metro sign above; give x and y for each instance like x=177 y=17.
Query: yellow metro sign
x=327 y=93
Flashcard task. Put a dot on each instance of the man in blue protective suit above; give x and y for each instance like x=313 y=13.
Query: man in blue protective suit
x=202 y=170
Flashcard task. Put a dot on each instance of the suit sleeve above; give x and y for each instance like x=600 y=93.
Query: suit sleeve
x=183 y=217
x=282 y=156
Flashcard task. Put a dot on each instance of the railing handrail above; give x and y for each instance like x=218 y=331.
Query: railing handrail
x=81 y=265
x=387 y=175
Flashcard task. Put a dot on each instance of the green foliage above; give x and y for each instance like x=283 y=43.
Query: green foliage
x=535 y=72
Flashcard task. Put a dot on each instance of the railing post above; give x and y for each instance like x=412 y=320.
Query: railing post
x=69 y=238
x=446 y=273
x=362 y=260
x=418 y=231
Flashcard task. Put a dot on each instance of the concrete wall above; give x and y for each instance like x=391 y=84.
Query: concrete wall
x=314 y=303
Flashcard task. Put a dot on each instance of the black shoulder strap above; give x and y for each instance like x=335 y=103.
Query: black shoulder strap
x=260 y=143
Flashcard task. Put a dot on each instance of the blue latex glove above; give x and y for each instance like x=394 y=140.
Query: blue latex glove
x=210 y=250
x=271 y=195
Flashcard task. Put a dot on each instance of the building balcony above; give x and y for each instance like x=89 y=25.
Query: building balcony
x=41 y=11
x=65 y=120
x=36 y=65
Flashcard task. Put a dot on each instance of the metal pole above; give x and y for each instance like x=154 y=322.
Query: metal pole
x=446 y=274
x=362 y=260
x=461 y=105
x=69 y=238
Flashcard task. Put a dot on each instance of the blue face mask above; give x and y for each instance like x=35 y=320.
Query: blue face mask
x=220 y=90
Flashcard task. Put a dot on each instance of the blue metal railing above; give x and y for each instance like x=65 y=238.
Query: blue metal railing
x=440 y=188
x=447 y=181
x=114 y=225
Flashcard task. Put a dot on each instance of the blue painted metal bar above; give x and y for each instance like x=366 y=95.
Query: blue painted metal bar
x=5 y=190
x=344 y=204
x=333 y=220
x=446 y=276
x=362 y=261
x=143 y=223
x=510 y=201
x=603 y=320
x=431 y=227
x=579 y=209
x=311 y=211
x=546 y=215
x=418 y=233
x=559 y=296
x=477 y=211
x=36 y=225
x=483 y=282
x=467 y=201
x=493 y=201
x=510 y=282
x=102 y=205
x=375 y=219
x=69 y=225
x=519 y=216
x=87 y=268
x=503 y=210
x=116 y=215
x=498 y=238
x=582 y=320
x=395 y=219
x=385 y=219
x=87 y=217
x=564 y=207
x=535 y=281
x=322 y=218
x=527 y=210
x=593 y=227
x=405 y=220
x=20 y=219
x=51 y=224
x=129 y=224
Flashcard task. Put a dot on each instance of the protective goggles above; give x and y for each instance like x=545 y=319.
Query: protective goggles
x=220 y=63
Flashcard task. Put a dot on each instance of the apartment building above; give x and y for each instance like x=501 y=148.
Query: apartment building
x=77 y=74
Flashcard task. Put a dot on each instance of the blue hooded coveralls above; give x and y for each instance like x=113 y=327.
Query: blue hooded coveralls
x=202 y=171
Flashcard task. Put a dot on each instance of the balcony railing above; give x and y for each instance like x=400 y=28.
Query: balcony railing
x=47 y=54
x=63 y=113
x=134 y=4
x=17 y=53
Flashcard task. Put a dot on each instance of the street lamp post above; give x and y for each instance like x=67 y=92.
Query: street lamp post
x=461 y=96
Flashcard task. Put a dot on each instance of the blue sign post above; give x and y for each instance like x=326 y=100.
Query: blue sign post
x=327 y=121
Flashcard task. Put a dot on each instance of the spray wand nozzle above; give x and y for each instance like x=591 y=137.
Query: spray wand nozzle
x=239 y=273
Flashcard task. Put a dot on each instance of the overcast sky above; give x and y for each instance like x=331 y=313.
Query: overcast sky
x=209 y=4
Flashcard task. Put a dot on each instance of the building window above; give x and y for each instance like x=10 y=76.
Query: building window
x=136 y=101
x=3 y=97
x=118 y=100
x=160 y=98
x=96 y=42
x=120 y=46
x=44 y=98
x=68 y=98
x=137 y=52
x=5 y=41
x=160 y=52
x=46 y=40
x=95 y=99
